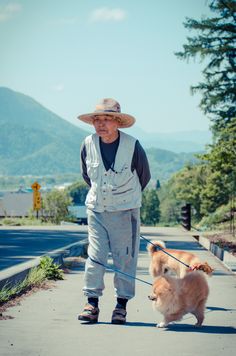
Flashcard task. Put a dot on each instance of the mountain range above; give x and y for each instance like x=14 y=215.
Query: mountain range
x=36 y=141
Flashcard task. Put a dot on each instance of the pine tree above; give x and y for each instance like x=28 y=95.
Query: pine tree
x=215 y=41
x=150 y=210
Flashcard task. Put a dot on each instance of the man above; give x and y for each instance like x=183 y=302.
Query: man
x=115 y=167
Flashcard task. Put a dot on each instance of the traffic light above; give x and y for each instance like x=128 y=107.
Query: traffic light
x=186 y=216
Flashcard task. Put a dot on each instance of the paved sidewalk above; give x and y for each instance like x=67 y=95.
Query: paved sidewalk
x=46 y=324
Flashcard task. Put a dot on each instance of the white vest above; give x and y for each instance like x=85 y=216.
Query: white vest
x=112 y=190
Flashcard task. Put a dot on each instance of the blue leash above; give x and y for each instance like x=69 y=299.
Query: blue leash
x=128 y=275
x=160 y=248
x=118 y=271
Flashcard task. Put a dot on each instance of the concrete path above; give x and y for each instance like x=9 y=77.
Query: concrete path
x=46 y=324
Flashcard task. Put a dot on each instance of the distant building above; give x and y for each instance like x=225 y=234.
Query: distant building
x=16 y=204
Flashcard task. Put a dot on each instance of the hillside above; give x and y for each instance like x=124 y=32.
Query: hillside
x=35 y=141
x=164 y=163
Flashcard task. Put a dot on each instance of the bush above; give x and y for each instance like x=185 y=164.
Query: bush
x=221 y=215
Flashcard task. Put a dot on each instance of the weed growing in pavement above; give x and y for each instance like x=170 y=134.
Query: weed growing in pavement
x=36 y=277
x=51 y=270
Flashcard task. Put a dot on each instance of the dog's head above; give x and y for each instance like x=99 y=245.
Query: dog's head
x=161 y=290
x=152 y=297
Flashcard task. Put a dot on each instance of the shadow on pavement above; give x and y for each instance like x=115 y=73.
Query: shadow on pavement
x=128 y=323
x=206 y=329
x=218 y=309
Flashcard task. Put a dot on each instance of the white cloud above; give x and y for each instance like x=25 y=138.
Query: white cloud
x=8 y=11
x=106 y=14
x=58 y=87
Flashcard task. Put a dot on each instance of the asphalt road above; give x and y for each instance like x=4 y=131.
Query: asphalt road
x=19 y=244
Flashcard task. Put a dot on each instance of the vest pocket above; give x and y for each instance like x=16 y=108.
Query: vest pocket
x=122 y=197
x=122 y=179
x=92 y=170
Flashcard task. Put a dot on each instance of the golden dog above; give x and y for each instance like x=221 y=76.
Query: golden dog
x=162 y=263
x=175 y=297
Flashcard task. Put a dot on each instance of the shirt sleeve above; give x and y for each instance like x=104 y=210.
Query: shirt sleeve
x=141 y=165
x=83 y=166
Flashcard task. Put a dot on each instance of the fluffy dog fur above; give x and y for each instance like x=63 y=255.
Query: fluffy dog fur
x=162 y=263
x=175 y=297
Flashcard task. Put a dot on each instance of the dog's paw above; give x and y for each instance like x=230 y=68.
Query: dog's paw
x=162 y=324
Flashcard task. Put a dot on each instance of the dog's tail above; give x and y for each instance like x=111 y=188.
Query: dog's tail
x=154 y=246
x=202 y=267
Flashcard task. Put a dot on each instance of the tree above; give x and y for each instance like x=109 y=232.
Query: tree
x=78 y=192
x=188 y=186
x=55 y=205
x=214 y=193
x=215 y=41
x=221 y=183
x=150 y=211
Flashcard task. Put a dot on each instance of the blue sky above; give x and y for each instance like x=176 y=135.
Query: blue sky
x=68 y=54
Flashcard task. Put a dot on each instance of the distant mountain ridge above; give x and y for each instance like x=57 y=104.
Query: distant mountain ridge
x=35 y=141
x=182 y=141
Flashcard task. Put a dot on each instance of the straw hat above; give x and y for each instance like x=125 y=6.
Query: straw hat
x=112 y=108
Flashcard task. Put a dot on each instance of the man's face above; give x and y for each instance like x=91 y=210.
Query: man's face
x=106 y=126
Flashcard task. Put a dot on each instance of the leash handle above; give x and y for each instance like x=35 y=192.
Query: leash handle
x=160 y=248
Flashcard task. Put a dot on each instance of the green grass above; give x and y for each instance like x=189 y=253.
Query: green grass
x=23 y=222
x=37 y=275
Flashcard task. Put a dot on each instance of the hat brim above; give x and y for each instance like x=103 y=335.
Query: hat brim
x=124 y=120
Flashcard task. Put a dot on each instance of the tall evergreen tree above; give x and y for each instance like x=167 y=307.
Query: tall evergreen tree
x=215 y=41
x=150 y=210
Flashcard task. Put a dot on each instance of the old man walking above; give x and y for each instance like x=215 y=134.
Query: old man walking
x=115 y=167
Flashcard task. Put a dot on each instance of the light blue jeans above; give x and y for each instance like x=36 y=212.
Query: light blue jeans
x=118 y=233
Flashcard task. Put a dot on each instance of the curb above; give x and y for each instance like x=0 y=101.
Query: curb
x=16 y=274
x=224 y=256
